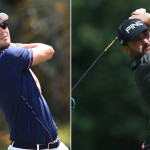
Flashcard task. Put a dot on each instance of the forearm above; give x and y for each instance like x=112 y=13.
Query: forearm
x=41 y=52
x=31 y=45
x=145 y=17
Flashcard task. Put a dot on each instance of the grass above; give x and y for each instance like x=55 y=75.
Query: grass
x=64 y=133
x=4 y=139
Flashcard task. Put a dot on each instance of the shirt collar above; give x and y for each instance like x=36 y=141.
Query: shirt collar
x=133 y=64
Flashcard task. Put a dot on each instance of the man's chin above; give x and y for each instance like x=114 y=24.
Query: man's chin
x=4 y=46
x=146 y=51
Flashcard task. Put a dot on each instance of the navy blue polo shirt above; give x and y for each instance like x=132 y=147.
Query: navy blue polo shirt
x=24 y=108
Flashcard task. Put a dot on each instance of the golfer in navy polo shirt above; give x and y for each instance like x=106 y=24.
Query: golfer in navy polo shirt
x=31 y=125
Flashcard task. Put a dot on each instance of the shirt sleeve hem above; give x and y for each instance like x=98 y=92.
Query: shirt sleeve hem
x=31 y=58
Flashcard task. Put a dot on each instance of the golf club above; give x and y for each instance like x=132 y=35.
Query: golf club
x=105 y=50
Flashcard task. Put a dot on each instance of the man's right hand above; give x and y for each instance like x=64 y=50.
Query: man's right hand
x=145 y=17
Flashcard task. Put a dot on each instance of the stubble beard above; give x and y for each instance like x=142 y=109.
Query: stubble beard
x=145 y=47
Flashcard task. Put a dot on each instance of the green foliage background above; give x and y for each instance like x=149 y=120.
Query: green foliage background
x=44 y=21
x=110 y=113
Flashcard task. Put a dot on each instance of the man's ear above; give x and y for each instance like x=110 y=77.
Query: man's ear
x=126 y=49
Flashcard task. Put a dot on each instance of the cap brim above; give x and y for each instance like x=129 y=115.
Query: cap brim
x=137 y=34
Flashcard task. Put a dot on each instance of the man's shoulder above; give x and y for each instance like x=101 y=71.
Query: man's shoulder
x=145 y=59
x=12 y=49
x=133 y=64
x=15 y=51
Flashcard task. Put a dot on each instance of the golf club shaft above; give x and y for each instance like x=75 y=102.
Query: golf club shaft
x=94 y=63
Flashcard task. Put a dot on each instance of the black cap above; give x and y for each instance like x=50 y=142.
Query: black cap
x=130 y=29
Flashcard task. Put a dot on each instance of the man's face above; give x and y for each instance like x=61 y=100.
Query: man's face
x=4 y=37
x=140 y=46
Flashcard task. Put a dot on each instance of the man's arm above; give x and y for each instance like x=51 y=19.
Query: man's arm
x=41 y=52
x=145 y=17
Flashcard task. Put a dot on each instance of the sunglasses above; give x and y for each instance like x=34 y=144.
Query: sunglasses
x=4 y=24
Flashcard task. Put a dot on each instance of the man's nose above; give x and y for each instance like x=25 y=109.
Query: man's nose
x=146 y=40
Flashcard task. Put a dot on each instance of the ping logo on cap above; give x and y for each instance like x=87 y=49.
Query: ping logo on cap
x=130 y=29
x=132 y=26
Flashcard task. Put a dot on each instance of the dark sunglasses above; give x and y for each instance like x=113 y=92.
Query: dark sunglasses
x=4 y=24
